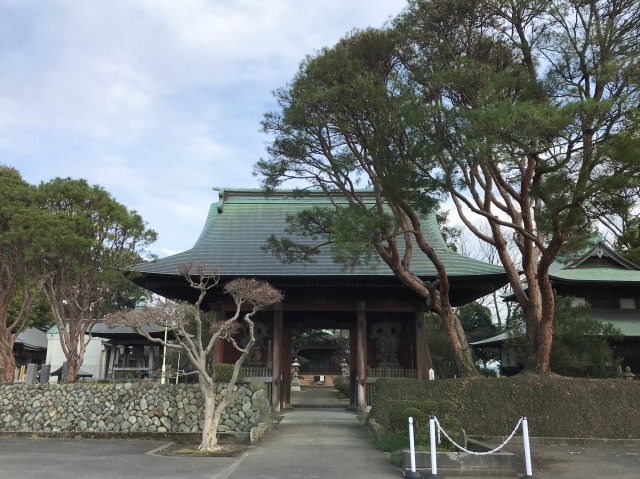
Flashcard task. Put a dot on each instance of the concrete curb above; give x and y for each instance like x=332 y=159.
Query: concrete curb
x=464 y=464
x=246 y=438
x=561 y=441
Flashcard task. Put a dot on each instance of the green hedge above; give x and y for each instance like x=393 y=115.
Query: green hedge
x=343 y=385
x=225 y=371
x=555 y=407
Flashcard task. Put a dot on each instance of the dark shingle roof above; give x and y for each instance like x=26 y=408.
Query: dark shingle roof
x=32 y=338
x=239 y=225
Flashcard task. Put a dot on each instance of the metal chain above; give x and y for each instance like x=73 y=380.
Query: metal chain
x=473 y=452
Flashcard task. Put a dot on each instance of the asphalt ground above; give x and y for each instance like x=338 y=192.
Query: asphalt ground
x=308 y=443
x=579 y=462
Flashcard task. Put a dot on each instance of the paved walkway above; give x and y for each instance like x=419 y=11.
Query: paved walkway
x=317 y=396
x=317 y=443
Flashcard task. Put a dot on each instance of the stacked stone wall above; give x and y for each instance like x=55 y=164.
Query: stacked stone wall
x=125 y=408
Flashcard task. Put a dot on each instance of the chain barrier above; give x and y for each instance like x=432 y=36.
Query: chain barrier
x=474 y=452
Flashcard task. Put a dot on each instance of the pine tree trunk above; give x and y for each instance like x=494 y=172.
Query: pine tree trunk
x=545 y=332
x=459 y=345
x=6 y=352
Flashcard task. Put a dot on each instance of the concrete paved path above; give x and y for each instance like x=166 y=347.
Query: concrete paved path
x=317 y=396
x=316 y=444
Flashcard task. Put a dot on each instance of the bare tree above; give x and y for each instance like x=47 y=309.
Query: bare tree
x=247 y=293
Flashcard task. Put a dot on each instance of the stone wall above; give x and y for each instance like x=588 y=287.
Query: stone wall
x=124 y=408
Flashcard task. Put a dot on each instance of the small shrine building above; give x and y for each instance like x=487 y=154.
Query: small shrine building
x=384 y=317
x=598 y=277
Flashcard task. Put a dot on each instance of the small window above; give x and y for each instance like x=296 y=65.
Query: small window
x=578 y=302
x=627 y=303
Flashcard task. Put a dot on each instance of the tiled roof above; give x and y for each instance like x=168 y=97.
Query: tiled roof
x=32 y=338
x=238 y=226
x=587 y=268
x=101 y=330
x=626 y=320
x=612 y=275
x=583 y=269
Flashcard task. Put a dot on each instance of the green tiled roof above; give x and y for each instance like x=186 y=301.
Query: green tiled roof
x=580 y=270
x=626 y=320
x=613 y=275
x=238 y=226
x=619 y=270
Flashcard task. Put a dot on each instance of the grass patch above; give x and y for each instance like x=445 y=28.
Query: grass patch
x=396 y=458
x=191 y=450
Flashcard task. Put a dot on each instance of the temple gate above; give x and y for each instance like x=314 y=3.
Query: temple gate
x=385 y=319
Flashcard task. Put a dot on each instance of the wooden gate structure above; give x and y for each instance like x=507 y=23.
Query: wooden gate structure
x=385 y=318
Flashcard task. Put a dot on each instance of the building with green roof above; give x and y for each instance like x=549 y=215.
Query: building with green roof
x=321 y=294
x=609 y=284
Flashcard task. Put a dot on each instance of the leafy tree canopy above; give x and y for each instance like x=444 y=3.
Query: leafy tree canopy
x=581 y=343
x=523 y=112
x=88 y=240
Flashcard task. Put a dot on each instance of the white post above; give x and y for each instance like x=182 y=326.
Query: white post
x=412 y=474
x=412 y=446
x=432 y=440
x=527 y=450
x=163 y=378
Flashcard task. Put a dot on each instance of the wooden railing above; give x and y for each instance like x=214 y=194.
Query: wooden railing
x=392 y=373
x=257 y=373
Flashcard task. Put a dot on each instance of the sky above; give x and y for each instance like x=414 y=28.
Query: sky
x=157 y=101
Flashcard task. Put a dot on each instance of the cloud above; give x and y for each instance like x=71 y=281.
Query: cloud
x=156 y=100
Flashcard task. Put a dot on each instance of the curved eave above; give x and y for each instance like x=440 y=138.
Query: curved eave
x=597 y=275
x=464 y=289
x=457 y=267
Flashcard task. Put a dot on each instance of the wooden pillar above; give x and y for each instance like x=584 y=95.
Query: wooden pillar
x=218 y=346
x=353 y=368
x=286 y=369
x=150 y=370
x=361 y=334
x=278 y=316
x=422 y=365
x=112 y=360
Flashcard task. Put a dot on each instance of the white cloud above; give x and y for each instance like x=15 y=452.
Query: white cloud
x=156 y=100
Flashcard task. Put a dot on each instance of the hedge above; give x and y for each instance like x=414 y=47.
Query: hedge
x=555 y=406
